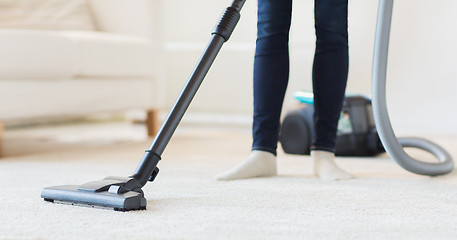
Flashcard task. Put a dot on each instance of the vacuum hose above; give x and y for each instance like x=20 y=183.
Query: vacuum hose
x=394 y=146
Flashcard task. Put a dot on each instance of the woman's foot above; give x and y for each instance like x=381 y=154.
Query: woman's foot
x=325 y=167
x=258 y=164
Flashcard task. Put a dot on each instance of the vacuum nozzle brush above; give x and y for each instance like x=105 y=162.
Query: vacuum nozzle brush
x=118 y=193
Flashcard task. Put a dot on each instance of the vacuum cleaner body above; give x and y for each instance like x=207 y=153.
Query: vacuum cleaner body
x=356 y=136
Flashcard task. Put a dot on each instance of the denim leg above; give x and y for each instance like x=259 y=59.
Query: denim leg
x=330 y=70
x=271 y=71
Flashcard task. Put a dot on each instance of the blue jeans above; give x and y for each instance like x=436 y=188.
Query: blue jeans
x=271 y=70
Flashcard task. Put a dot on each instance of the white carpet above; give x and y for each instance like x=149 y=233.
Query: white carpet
x=383 y=202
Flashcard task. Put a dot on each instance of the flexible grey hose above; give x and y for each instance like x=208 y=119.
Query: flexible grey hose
x=394 y=146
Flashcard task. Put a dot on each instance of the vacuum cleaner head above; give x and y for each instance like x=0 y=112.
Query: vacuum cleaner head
x=118 y=193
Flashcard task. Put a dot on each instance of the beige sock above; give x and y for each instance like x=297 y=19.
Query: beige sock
x=258 y=164
x=325 y=167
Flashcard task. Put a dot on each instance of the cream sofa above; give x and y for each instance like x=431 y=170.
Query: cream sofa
x=56 y=72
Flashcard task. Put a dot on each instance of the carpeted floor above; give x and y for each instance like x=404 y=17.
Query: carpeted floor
x=383 y=202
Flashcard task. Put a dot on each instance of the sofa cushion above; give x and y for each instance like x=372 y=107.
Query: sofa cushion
x=42 y=54
x=32 y=54
x=109 y=54
x=46 y=14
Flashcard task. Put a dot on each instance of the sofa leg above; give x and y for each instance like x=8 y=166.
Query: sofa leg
x=152 y=122
x=1 y=139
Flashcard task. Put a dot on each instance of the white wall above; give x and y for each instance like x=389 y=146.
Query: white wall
x=422 y=76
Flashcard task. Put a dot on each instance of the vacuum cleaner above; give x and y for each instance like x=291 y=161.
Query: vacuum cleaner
x=361 y=137
x=356 y=132
x=125 y=193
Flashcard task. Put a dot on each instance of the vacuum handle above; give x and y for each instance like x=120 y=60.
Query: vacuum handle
x=221 y=34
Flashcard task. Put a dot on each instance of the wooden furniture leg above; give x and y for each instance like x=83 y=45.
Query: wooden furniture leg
x=152 y=122
x=1 y=138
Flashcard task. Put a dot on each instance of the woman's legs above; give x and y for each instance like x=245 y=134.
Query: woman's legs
x=271 y=71
x=271 y=75
x=330 y=72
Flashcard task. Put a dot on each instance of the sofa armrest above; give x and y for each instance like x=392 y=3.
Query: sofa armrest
x=132 y=17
